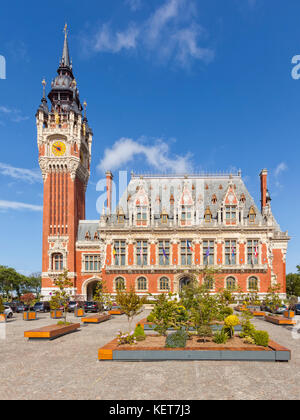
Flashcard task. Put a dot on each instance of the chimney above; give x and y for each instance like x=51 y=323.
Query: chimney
x=263 y=187
x=109 y=178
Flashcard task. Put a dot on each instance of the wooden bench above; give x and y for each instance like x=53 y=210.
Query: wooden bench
x=51 y=331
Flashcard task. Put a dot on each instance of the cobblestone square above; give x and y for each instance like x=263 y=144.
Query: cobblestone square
x=67 y=368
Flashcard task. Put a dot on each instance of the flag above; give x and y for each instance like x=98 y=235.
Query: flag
x=256 y=252
x=114 y=252
x=189 y=246
x=232 y=254
x=164 y=252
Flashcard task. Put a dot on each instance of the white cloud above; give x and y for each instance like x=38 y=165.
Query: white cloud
x=27 y=175
x=134 y=4
x=14 y=115
x=13 y=205
x=157 y=156
x=280 y=168
x=171 y=33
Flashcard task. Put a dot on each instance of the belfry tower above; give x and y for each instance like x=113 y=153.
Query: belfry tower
x=64 y=143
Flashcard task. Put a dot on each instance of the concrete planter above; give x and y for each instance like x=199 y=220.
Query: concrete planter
x=56 y=314
x=3 y=318
x=273 y=353
x=29 y=316
x=79 y=312
x=51 y=332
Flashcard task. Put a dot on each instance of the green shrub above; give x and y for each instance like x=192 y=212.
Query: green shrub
x=261 y=338
x=221 y=337
x=177 y=339
x=225 y=312
x=248 y=340
x=150 y=318
x=139 y=333
x=63 y=323
x=248 y=329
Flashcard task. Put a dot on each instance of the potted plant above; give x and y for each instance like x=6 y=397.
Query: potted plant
x=102 y=297
x=79 y=310
x=2 y=309
x=61 y=296
x=29 y=300
x=292 y=302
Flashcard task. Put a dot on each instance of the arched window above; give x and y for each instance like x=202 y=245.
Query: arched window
x=141 y=283
x=253 y=283
x=230 y=283
x=119 y=283
x=164 y=284
x=209 y=283
x=57 y=262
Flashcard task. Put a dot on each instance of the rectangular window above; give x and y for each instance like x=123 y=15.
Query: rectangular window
x=142 y=252
x=186 y=253
x=230 y=252
x=92 y=262
x=208 y=252
x=164 y=252
x=230 y=213
x=252 y=252
x=119 y=253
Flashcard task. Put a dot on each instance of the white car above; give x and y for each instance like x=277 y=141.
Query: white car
x=8 y=312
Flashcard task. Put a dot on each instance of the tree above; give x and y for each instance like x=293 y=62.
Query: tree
x=293 y=283
x=130 y=303
x=101 y=296
x=272 y=300
x=34 y=284
x=29 y=300
x=61 y=295
x=10 y=282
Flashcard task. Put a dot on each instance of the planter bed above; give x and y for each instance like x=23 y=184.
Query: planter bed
x=95 y=319
x=153 y=348
x=51 y=331
x=258 y=313
x=279 y=320
x=115 y=312
x=148 y=326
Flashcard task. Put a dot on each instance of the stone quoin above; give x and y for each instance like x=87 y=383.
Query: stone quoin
x=166 y=228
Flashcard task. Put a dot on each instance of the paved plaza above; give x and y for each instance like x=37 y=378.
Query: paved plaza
x=67 y=368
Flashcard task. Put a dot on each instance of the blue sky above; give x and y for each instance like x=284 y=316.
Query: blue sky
x=196 y=85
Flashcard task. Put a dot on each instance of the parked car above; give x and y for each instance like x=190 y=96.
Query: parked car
x=41 y=307
x=297 y=309
x=90 y=307
x=8 y=311
x=12 y=305
x=281 y=309
x=20 y=307
x=72 y=306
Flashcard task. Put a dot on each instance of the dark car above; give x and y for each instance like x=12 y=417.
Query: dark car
x=91 y=307
x=41 y=307
x=20 y=307
x=297 y=309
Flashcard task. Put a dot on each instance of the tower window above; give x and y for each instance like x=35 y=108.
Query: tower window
x=57 y=262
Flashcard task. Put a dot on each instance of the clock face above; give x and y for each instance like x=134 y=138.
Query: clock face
x=58 y=148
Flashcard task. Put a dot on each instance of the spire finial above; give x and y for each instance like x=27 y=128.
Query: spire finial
x=65 y=61
x=44 y=87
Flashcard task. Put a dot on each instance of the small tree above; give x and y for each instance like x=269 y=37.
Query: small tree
x=101 y=296
x=29 y=300
x=164 y=314
x=272 y=300
x=2 y=308
x=130 y=303
x=62 y=296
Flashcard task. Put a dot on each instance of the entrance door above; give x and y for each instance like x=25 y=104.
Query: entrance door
x=185 y=281
x=91 y=290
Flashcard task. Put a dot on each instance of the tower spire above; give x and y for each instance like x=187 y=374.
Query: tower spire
x=65 y=60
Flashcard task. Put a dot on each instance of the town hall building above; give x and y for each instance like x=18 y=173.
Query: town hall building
x=166 y=229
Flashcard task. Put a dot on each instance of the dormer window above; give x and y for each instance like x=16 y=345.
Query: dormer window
x=207 y=215
x=141 y=215
x=243 y=198
x=186 y=214
x=96 y=236
x=87 y=236
x=214 y=199
x=164 y=217
x=252 y=215
x=120 y=216
x=230 y=214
